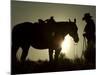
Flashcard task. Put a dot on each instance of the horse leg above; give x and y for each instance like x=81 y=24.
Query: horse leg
x=57 y=52
x=13 y=58
x=25 y=49
x=50 y=55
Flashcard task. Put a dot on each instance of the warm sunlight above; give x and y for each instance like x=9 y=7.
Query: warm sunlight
x=66 y=44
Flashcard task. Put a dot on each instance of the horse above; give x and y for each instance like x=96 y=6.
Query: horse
x=41 y=36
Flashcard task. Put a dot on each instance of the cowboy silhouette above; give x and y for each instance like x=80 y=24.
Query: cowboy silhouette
x=89 y=34
x=89 y=28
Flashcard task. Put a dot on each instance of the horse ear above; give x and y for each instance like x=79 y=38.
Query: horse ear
x=69 y=20
x=75 y=20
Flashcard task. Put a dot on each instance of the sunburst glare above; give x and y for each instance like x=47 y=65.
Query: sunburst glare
x=67 y=44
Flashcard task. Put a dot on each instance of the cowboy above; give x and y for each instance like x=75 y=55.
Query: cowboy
x=89 y=34
x=89 y=28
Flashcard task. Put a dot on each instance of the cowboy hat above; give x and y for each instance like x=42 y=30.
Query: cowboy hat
x=86 y=16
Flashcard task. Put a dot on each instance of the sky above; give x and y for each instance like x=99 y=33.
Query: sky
x=32 y=11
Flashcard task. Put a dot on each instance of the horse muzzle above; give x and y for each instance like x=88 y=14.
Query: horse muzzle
x=76 y=40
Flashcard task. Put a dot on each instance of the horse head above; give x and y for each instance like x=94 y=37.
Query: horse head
x=73 y=30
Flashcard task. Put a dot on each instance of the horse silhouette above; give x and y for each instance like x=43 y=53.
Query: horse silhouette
x=41 y=36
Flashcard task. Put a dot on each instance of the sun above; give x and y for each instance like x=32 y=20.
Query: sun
x=66 y=44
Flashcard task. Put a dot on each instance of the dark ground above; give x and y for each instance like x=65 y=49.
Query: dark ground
x=63 y=64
